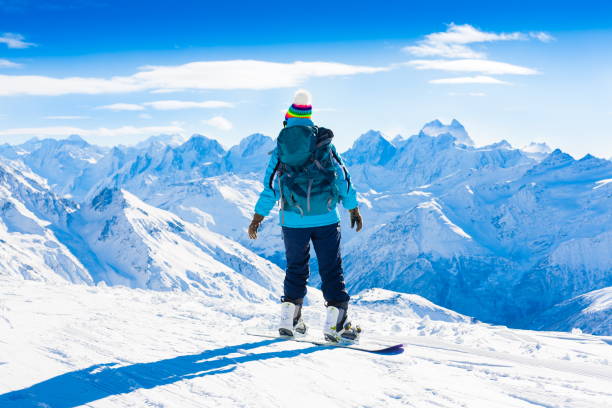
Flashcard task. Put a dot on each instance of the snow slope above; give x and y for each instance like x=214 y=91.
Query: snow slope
x=141 y=246
x=29 y=244
x=494 y=232
x=591 y=312
x=71 y=345
x=488 y=232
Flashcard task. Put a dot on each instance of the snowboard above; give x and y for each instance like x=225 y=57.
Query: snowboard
x=369 y=347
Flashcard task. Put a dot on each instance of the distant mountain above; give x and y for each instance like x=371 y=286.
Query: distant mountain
x=405 y=305
x=30 y=242
x=117 y=239
x=60 y=161
x=495 y=232
x=422 y=159
x=250 y=156
x=536 y=151
x=455 y=129
x=483 y=231
x=141 y=246
x=590 y=312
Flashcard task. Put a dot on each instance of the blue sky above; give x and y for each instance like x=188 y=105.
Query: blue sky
x=117 y=72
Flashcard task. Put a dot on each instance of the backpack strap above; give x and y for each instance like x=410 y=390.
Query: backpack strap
x=347 y=177
x=324 y=136
x=270 y=181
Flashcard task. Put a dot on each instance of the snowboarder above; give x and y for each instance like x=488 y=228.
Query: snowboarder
x=311 y=179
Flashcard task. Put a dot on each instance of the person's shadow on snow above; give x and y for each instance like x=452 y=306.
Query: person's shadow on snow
x=80 y=387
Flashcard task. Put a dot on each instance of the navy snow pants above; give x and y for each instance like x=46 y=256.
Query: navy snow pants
x=326 y=242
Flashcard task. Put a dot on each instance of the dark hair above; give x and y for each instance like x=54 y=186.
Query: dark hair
x=285 y=123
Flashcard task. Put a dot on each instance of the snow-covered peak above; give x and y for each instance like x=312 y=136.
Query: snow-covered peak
x=142 y=246
x=371 y=147
x=536 y=150
x=405 y=305
x=590 y=312
x=502 y=144
x=59 y=161
x=249 y=155
x=78 y=140
x=159 y=141
x=456 y=129
x=202 y=145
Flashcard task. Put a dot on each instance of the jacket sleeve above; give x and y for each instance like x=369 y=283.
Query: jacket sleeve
x=267 y=198
x=348 y=196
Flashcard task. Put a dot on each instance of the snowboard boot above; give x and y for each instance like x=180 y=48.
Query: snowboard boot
x=337 y=325
x=291 y=317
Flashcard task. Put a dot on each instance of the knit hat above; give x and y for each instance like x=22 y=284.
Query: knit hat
x=301 y=107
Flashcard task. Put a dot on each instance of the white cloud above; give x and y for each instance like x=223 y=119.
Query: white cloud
x=145 y=116
x=43 y=85
x=122 y=107
x=175 y=105
x=243 y=74
x=541 y=36
x=163 y=91
x=219 y=122
x=231 y=74
x=13 y=40
x=473 y=65
x=467 y=94
x=452 y=43
x=480 y=79
x=444 y=50
x=105 y=132
x=66 y=117
x=4 y=63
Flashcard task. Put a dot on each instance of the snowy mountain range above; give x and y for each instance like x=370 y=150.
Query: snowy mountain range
x=502 y=234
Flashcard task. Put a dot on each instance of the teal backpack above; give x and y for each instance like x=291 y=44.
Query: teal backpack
x=306 y=170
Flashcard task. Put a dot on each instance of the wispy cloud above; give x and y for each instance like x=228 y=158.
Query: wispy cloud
x=453 y=43
x=454 y=54
x=176 y=105
x=4 y=63
x=467 y=94
x=231 y=74
x=480 y=79
x=244 y=74
x=473 y=65
x=104 y=132
x=43 y=85
x=122 y=107
x=13 y=40
x=542 y=36
x=219 y=122
x=66 y=117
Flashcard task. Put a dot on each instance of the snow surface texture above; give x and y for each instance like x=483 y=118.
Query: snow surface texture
x=493 y=232
x=75 y=345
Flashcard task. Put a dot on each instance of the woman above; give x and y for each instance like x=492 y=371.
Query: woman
x=306 y=174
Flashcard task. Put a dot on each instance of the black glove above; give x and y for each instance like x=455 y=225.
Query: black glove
x=257 y=219
x=356 y=219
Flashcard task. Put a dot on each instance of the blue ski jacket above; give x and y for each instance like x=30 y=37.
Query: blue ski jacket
x=267 y=198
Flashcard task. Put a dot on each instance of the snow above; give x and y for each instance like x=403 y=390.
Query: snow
x=601 y=183
x=537 y=151
x=73 y=345
x=536 y=230
x=590 y=312
x=436 y=128
x=136 y=290
x=492 y=232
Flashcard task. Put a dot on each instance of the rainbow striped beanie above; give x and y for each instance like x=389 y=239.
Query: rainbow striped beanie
x=301 y=107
